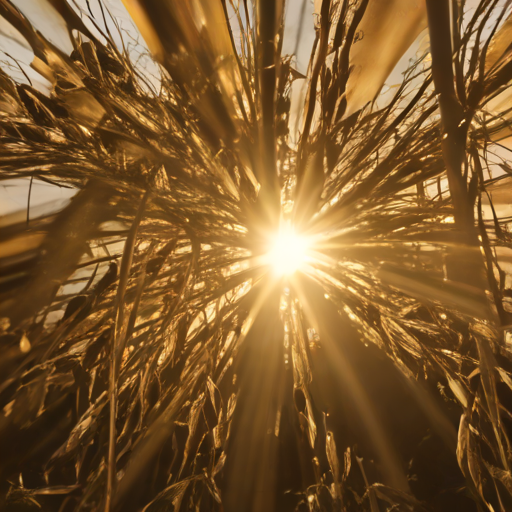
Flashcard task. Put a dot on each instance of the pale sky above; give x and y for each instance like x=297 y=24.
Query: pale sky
x=13 y=193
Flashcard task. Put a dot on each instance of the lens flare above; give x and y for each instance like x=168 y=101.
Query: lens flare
x=288 y=252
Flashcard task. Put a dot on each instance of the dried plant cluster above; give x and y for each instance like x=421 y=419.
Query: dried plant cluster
x=149 y=362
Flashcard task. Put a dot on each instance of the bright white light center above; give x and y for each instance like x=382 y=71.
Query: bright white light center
x=288 y=252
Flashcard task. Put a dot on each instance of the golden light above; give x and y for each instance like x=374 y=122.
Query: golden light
x=288 y=252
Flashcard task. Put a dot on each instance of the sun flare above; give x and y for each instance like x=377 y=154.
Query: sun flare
x=288 y=252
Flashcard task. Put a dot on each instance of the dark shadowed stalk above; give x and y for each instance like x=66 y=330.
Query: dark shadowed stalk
x=118 y=346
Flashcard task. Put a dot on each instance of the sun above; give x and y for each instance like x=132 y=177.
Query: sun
x=288 y=252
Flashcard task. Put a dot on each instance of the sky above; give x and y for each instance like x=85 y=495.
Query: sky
x=300 y=17
x=14 y=193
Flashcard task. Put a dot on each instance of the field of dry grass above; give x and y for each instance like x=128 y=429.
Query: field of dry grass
x=163 y=349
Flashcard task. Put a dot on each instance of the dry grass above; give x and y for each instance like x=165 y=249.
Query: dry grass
x=180 y=374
